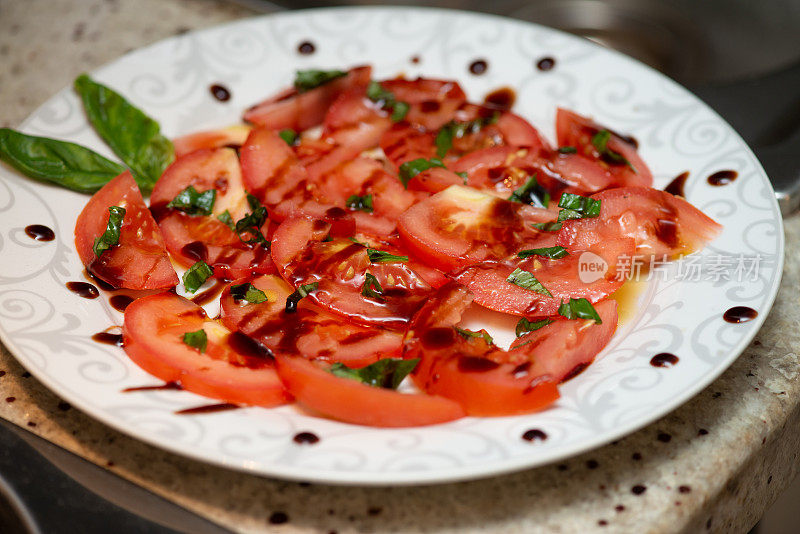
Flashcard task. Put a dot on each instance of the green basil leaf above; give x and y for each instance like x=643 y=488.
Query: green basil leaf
x=578 y=207
x=483 y=334
x=251 y=224
x=579 y=309
x=289 y=135
x=552 y=226
x=526 y=280
x=197 y=340
x=196 y=276
x=553 y=253
x=524 y=326
x=305 y=80
x=531 y=193
x=132 y=135
x=248 y=292
x=379 y=256
x=444 y=140
x=372 y=288
x=226 y=219
x=410 y=169
x=110 y=237
x=360 y=203
x=386 y=99
x=567 y=150
x=399 y=111
x=463 y=176
x=193 y=203
x=454 y=130
x=386 y=373
x=301 y=292
x=58 y=162
x=600 y=142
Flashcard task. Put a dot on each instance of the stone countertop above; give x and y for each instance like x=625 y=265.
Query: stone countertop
x=715 y=464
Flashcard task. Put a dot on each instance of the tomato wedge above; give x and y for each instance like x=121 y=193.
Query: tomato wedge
x=233 y=368
x=354 y=121
x=661 y=224
x=232 y=136
x=299 y=111
x=432 y=103
x=310 y=330
x=139 y=260
x=353 y=402
x=484 y=380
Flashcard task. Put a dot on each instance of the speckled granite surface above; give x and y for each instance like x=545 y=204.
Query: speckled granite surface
x=715 y=464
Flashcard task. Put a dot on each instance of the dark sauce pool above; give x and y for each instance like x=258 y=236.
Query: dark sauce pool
x=107 y=338
x=665 y=359
x=120 y=302
x=720 y=178
x=478 y=67
x=305 y=438
x=534 y=434
x=84 y=289
x=220 y=92
x=545 y=64
x=306 y=48
x=40 y=232
x=677 y=185
x=740 y=314
x=208 y=408
x=501 y=99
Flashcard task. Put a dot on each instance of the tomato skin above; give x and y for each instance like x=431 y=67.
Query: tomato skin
x=270 y=168
x=223 y=137
x=153 y=338
x=355 y=121
x=577 y=131
x=405 y=142
x=432 y=103
x=310 y=331
x=300 y=111
x=661 y=224
x=140 y=259
x=352 y=402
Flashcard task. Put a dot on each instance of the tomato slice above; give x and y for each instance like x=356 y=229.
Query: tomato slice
x=340 y=267
x=482 y=378
x=192 y=238
x=353 y=402
x=432 y=103
x=139 y=260
x=300 y=111
x=461 y=226
x=310 y=330
x=577 y=131
x=593 y=273
x=354 y=121
x=405 y=142
x=661 y=224
x=232 y=368
x=232 y=136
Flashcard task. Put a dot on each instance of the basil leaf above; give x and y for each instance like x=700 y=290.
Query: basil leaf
x=110 y=237
x=58 y=162
x=288 y=135
x=387 y=373
x=577 y=207
x=132 y=135
x=466 y=334
x=531 y=193
x=600 y=142
x=360 y=203
x=454 y=130
x=248 y=292
x=579 y=309
x=372 y=288
x=226 y=219
x=193 y=203
x=444 y=140
x=197 y=340
x=524 y=326
x=379 y=256
x=463 y=176
x=251 y=224
x=552 y=226
x=301 y=292
x=380 y=95
x=526 y=280
x=305 y=80
x=399 y=111
x=553 y=253
x=567 y=150
x=196 y=276
x=410 y=169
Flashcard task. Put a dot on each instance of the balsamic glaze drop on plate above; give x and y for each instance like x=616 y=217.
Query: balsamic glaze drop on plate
x=305 y=438
x=120 y=302
x=306 y=48
x=677 y=184
x=208 y=408
x=40 y=232
x=534 y=434
x=740 y=314
x=415 y=59
x=83 y=289
x=501 y=99
x=166 y=386
x=664 y=359
x=478 y=67
x=220 y=92
x=107 y=338
x=720 y=178
x=545 y=64
x=102 y=284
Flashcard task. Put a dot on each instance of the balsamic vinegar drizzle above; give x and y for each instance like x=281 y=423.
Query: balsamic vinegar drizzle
x=545 y=64
x=664 y=359
x=167 y=386
x=740 y=314
x=306 y=48
x=534 y=434
x=677 y=184
x=40 y=232
x=478 y=67
x=107 y=338
x=305 y=438
x=501 y=99
x=120 y=302
x=208 y=408
x=720 y=178
x=220 y=92
x=83 y=289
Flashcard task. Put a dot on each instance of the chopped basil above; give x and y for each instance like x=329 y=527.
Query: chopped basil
x=455 y=130
x=196 y=276
x=463 y=176
x=600 y=142
x=469 y=333
x=378 y=94
x=58 y=162
x=577 y=207
x=191 y=202
x=198 y=340
x=110 y=237
x=252 y=222
x=379 y=256
x=386 y=373
x=305 y=80
x=552 y=226
x=248 y=292
x=288 y=135
x=554 y=253
x=372 y=288
x=410 y=169
x=524 y=326
x=526 y=280
x=302 y=291
x=361 y=203
x=226 y=219
x=579 y=309
x=567 y=150
x=531 y=193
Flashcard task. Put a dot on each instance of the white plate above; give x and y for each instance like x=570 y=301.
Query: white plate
x=48 y=327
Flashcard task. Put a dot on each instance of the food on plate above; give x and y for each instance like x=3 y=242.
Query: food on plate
x=346 y=227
